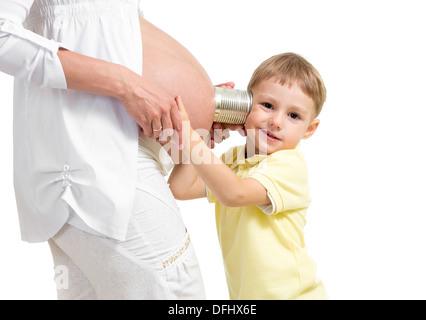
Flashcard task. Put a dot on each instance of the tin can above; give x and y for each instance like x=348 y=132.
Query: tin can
x=232 y=105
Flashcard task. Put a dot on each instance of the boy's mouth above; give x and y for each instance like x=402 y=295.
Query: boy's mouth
x=270 y=136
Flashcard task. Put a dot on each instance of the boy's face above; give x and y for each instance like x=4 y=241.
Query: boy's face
x=281 y=116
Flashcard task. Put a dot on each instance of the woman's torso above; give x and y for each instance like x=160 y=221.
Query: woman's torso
x=168 y=64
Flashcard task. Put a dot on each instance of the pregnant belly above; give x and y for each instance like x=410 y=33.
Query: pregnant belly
x=170 y=65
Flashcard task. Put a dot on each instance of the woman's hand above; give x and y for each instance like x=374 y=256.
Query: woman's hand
x=151 y=106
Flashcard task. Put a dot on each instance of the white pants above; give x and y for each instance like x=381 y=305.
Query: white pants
x=156 y=261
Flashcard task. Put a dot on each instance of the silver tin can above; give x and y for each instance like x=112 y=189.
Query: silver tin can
x=232 y=105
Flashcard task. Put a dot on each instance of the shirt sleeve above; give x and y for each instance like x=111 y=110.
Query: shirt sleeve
x=140 y=10
x=25 y=54
x=210 y=196
x=284 y=175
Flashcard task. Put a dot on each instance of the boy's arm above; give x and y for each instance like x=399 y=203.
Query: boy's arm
x=228 y=189
x=185 y=183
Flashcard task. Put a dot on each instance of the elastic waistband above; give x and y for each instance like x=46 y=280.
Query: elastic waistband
x=48 y=10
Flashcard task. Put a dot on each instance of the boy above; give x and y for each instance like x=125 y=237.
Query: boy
x=261 y=193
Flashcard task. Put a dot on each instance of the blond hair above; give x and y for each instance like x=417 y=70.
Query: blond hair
x=289 y=68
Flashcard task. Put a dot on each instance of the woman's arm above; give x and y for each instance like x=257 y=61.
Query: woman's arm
x=33 y=58
x=25 y=54
x=230 y=190
x=150 y=105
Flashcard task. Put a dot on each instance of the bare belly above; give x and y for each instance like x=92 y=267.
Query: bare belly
x=169 y=65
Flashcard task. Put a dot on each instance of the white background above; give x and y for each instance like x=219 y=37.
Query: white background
x=366 y=225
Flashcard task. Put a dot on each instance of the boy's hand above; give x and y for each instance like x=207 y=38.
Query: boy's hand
x=228 y=85
x=183 y=114
x=186 y=124
x=220 y=131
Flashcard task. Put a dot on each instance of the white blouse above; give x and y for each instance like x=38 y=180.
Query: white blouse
x=71 y=149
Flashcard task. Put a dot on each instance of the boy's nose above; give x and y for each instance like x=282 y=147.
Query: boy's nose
x=276 y=122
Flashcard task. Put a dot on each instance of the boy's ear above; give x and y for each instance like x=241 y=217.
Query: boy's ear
x=311 y=129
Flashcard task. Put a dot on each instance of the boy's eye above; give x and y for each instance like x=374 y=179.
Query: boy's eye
x=267 y=105
x=293 y=115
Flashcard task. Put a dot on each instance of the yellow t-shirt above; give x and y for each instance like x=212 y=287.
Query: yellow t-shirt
x=263 y=247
